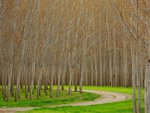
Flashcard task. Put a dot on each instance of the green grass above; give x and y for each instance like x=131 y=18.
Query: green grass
x=117 y=107
x=45 y=100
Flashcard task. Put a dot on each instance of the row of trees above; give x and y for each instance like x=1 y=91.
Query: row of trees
x=139 y=30
x=73 y=42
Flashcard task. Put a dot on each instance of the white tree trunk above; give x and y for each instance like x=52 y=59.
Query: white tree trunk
x=147 y=82
x=134 y=79
x=147 y=93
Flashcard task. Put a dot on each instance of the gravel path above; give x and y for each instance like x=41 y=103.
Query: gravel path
x=105 y=97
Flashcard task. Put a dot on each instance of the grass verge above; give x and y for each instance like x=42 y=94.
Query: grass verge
x=45 y=100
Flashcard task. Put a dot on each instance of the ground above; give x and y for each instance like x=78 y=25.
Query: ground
x=117 y=107
x=45 y=100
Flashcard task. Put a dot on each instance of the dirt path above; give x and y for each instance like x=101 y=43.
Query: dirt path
x=106 y=97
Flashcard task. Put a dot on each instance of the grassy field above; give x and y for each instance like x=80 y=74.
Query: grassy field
x=45 y=100
x=118 y=107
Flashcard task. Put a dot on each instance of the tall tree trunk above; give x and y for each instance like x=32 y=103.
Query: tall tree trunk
x=92 y=72
x=76 y=80
x=148 y=88
x=17 y=94
x=51 y=81
x=147 y=83
x=32 y=80
x=9 y=81
x=96 y=72
x=39 y=82
x=134 y=80
x=82 y=73
x=63 y=78
x=70 y=80
x=58 y=81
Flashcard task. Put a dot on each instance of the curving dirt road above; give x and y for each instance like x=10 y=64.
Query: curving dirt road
x=105 y=97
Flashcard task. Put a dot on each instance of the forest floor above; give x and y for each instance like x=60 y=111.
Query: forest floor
x=105 y=97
